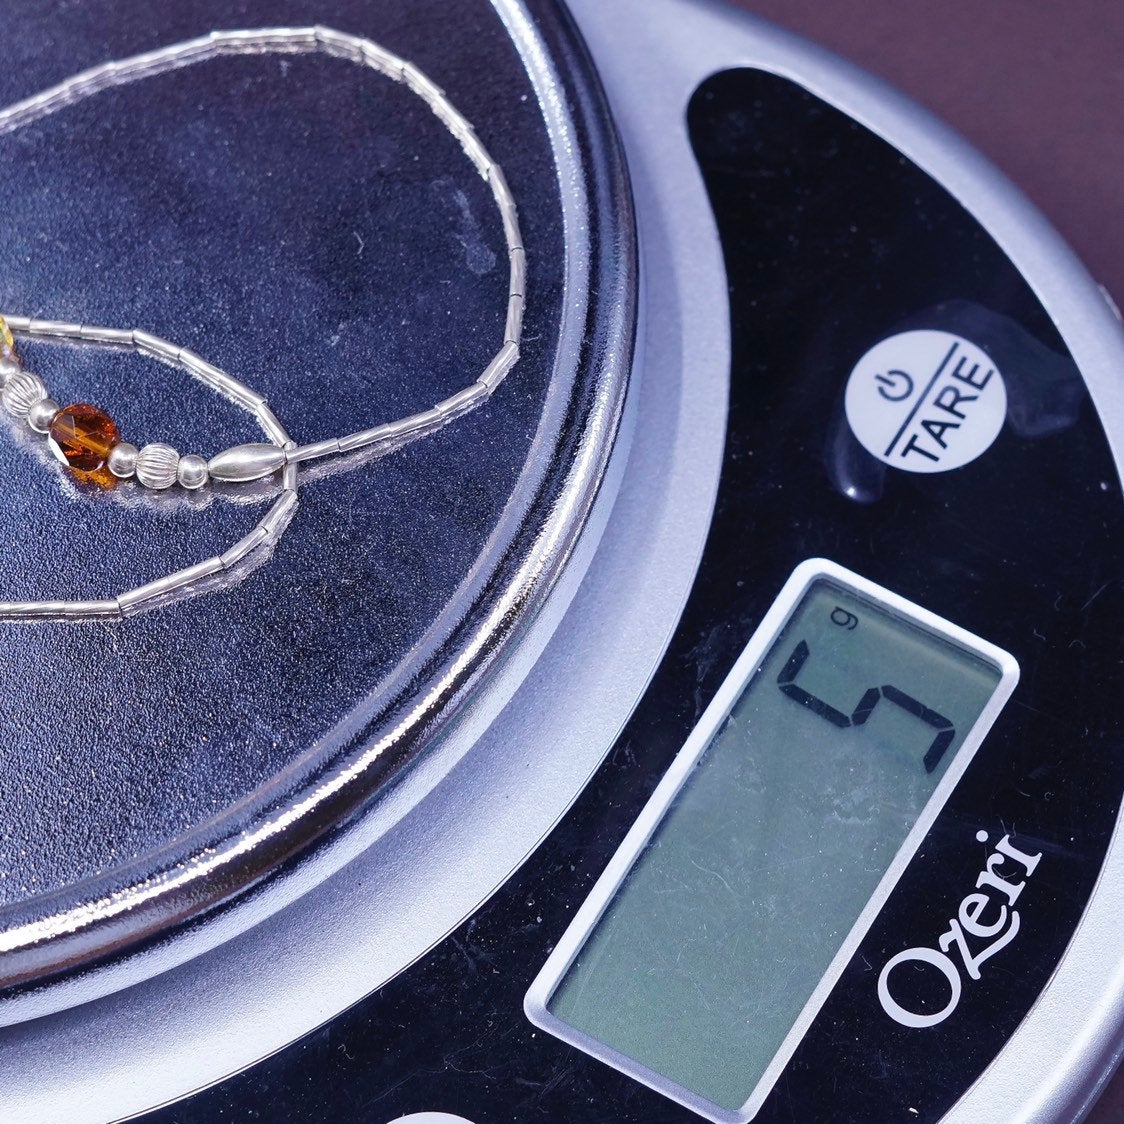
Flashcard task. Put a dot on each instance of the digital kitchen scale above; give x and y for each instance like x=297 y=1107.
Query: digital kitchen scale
x=720 y=724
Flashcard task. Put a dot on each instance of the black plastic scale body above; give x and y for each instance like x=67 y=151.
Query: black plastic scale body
x=818 y=238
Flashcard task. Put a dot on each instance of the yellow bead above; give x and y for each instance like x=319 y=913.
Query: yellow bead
x=7 y=343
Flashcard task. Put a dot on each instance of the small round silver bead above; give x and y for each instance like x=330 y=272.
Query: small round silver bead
x=156 y=466
x=192 y=472
x=40 y=416
x=123 y=460
x=21 y=392
x=8 y=368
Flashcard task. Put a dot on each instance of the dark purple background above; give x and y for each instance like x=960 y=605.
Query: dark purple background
x=1038 y=88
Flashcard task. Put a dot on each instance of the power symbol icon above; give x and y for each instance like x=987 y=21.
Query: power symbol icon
x=894 y=386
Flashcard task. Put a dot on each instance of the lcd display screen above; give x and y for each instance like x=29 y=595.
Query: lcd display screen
x=702 y=949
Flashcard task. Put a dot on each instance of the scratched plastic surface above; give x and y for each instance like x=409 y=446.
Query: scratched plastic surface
x=309 y=226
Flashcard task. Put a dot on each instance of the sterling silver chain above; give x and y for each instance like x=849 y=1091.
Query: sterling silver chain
x=159 y=466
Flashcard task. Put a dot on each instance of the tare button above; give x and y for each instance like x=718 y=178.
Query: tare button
x=926 y=401
x=430 y=1118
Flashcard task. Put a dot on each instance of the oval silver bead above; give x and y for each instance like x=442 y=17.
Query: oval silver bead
x=156 y=466
x=246 y=462
x=21 y=392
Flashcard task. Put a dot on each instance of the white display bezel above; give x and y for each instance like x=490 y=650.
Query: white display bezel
x=700 y=738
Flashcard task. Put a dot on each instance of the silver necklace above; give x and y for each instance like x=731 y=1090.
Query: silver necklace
x=83 y=437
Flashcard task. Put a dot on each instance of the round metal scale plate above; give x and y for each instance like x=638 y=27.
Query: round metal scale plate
x=312 y=228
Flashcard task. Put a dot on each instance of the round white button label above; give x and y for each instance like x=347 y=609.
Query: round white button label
x=926 y=401
x=430 y=1118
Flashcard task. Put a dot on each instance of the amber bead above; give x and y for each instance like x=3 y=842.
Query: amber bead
x=103 y=480
x=81 y=437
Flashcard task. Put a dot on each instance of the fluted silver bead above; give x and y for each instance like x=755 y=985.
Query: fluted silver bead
x=192 y=472
x=156 y=466
x=22 y=392
x=40 y=416
x=247 y=462
x=8 y=368
x=123 y=460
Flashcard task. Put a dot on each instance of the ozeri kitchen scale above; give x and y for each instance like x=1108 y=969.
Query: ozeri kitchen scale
x=721 y=723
